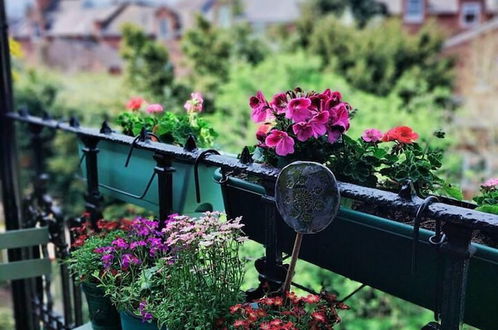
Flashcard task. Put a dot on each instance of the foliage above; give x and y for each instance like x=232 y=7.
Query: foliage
x=148 y=68
x=383 y=59
x=207 y=273
x=168 y=126
x=191 y=265
x=487 y=200
x=291 y=312
x=84 y=262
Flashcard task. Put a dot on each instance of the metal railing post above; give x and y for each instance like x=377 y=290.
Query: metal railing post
x=93 y=197
x=457 y=252
x=9 y=175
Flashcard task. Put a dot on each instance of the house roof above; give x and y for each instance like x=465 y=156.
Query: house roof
x=274 y=11
x=471 y=34
x=395 y=7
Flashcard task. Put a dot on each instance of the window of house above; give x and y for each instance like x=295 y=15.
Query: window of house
x=225 y=16
x=414 y=11
x=470 y=14
x=164 y=30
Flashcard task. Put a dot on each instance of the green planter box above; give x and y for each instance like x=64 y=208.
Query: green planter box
x=103 y=315
x=374 y=251
x=115 y=178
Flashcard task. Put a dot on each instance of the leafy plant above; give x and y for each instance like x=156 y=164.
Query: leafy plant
x=84 y=263
x=291 y=312
x=487 y=199
x=168 y=126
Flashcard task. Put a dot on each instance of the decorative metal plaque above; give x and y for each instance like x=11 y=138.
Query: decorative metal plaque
x=307 y=196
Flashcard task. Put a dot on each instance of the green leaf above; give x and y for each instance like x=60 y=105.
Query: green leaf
x=488 y=208
x=452 y=191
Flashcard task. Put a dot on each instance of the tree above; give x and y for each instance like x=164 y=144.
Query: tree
x=148 y=68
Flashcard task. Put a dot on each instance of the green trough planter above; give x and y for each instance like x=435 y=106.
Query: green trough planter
x=115 y=178
x=375 y=251
x=103 y=315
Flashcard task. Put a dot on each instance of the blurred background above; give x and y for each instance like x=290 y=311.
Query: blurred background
x=428 y=64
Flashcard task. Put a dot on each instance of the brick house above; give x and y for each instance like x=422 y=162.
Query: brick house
x=453 y=16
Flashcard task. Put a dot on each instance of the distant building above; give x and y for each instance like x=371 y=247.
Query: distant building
x=453 y=16
x=85 y=34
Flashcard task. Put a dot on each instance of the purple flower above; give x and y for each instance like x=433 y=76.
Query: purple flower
x=104 y=249
x=129 y=259
x=372 y=135
x=146 y=316
x=134 y=245
x=120 y=243
x=107 y=260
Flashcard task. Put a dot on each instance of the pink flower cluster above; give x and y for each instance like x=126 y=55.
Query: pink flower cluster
x=195 y=103
x=399 y=134
x=301 y=116
x=490 y=184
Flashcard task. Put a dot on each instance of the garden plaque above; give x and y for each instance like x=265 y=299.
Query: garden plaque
x=307 y=198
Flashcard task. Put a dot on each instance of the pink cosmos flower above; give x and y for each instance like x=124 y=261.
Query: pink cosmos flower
x=279 y=102
x=490 y=183
x=195 y=103
x=298 y=109
x=261 y=110
x=372 y=135
x=281 y=141
x=135 y=103
x=154 y=108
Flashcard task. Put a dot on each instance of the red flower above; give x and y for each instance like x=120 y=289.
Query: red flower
x=319 y=316
x=262 y=132
x=235 y=308
x=311 y=299
x=278 y=301
x=265 y=326
x=79 y=241
x=401 y=134
x=135 y=103
x=241 y=324
x=293 y=297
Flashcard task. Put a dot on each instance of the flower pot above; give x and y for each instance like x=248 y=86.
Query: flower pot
x=129 y=183
x=132 y=322
x=375 y=251
x=103 y=315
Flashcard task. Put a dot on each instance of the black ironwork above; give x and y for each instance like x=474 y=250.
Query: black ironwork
x=8 y=175
x=164 y=172
x=457 y=215
x=196 y=171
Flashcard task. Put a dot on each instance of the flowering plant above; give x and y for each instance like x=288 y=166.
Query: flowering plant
x=83 y=262
x=169 y=127
x=299 y=125
x=292 y=313
x=189 y=265
x=487 y=200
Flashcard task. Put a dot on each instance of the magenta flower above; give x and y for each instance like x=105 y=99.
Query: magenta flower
x=372 y=135
x=281 y=141
x=136 y=244
x=279 y=102
x=146 y=316
x=338 y=121
x=195 y=103
x=129 y=259
x=120 y=243
x=298 y=109
x=261 y=110
x=154 y=108
x=319 y=123
x=333 y=98
x=303 y=130
x=107 y=260
x=490 y=183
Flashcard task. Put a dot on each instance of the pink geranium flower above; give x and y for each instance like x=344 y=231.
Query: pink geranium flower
x=281 y=141
x=279 y=103
x=261 y=110
x=372 y=135
x=262 y=132
x=135 y=103
x=319 y=123
x=303 y=130
x=490 y=183
x=154 y=108
x=338 y=121
x=195 y=103
x=298 y=109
